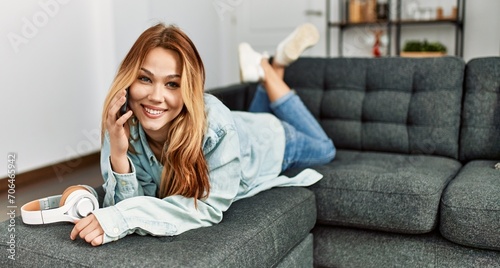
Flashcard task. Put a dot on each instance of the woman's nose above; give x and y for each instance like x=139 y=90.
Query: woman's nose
x=156 y=93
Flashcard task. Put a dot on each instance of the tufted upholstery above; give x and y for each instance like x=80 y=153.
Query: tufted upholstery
x=392 y=104
x=470 y=206
x=480 y=135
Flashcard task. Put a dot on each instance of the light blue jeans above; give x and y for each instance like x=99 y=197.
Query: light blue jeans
x=306 y=142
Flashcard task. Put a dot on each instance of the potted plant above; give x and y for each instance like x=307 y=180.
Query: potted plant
x=419 y=49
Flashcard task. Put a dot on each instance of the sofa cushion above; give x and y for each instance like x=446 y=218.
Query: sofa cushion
x=233 y=96
x=480 y=131
x=349 y=247
x=470 y=207
x=255 y=232
x=383 y=191
x=396 y=105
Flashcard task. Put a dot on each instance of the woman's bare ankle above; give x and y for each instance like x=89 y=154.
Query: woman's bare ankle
x=279 y=69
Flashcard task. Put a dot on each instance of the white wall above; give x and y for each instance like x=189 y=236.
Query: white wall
x=59 y=58
x=56 y=67
x=482 y=24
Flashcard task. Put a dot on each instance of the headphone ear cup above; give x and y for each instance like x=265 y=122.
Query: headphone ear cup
x=68 y=191
x=82 y=203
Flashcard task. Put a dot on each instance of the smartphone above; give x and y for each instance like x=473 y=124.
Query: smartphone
x=124 y=107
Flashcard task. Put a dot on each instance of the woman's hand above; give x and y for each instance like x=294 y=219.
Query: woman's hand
x=118 y=134
x=88 y=229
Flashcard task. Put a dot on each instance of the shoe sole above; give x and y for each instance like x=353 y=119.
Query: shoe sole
x=244 y=65
x=304 y=37
x=240 y=60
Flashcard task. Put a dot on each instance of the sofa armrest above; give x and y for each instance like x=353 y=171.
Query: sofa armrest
x=236 y=97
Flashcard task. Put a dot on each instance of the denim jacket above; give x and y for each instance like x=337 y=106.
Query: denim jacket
x=244 y=152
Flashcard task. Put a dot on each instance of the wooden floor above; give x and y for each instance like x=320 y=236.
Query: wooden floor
x=89 y=175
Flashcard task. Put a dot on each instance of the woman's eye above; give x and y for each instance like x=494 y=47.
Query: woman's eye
x=144 y=79
x=172 y=84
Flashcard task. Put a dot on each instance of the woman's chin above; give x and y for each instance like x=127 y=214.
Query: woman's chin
x=151 y=125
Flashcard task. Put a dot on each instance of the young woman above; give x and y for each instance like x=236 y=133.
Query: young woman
x=178 y=158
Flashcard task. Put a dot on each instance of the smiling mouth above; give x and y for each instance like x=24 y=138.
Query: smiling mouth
x=153 y=111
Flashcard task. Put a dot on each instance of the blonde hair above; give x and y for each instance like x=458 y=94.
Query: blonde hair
x=185 y=170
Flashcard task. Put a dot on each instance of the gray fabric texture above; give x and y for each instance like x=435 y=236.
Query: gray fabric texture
x=470 y=207
x=345 y=247
x=255 y=232
x=480 y=133
x=300 y=256
x=396 y=105
x=383 y=191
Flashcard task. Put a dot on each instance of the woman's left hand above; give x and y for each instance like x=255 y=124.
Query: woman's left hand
x=88 y=229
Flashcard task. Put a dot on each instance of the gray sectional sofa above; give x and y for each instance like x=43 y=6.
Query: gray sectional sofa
x=413 y=183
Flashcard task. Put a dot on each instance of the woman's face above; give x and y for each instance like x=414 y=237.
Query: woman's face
x=155 y=96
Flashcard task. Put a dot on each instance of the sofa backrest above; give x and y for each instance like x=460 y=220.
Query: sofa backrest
x=480 y=131
x=399 y=105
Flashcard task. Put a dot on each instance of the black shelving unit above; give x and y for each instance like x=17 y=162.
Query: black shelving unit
x=396 y=23
x=457 y=23
x=344 y=24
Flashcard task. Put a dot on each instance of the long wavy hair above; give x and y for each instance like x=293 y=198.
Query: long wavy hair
x=185 y=170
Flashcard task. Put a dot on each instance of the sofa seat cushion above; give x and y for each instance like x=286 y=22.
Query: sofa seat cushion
x=383 y=191
x=470 y=207
x=350 y=247
x=255 y=232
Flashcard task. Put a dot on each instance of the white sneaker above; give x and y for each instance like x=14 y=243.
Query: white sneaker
x=302 y=38
x=250 y=68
